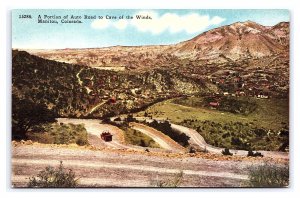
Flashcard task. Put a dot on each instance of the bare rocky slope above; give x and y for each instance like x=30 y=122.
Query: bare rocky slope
x=117 y=168
x=235 y=42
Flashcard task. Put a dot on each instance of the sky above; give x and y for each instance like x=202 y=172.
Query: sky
x=164 y=27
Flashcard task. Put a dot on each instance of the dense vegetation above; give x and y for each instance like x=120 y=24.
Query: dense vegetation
x=72 y=90
x=241 y=105
x=268 y=175
x=265 y=128
x=59 y=134
x=27 y=114
x=52 y=177
x=237 y=135
x=165 y=127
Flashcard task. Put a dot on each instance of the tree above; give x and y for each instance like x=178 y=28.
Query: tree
x=284 y=134
x=26 y=114
x=143 y=143
x=130 y=118
x=254 y=154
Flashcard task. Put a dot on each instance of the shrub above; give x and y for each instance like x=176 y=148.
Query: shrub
x=254 y=154
x=226 y=152
x=268 y=176
x=192 y=150
x=173 y=183
x=61 y=134
x=118 y=119
x=81 y=141
x=130 y=118
x=54 y=178
x=44 y=138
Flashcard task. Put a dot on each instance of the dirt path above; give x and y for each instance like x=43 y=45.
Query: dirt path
x=107 y=168
x=163 y=140
x=78 y=78
x=95 y=108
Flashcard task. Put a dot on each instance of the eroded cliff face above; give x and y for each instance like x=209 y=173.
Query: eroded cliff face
x=235 y=42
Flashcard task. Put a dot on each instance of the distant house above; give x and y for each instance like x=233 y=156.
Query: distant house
x=112 y=100
x=214 y=104
x=237 y=79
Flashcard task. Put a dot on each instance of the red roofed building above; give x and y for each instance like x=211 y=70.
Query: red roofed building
x=214 y=104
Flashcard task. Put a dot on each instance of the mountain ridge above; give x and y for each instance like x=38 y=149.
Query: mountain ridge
x=237 y=41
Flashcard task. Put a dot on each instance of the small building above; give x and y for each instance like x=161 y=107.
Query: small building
x=112 y=100
x=214 y=104
x=106 y=136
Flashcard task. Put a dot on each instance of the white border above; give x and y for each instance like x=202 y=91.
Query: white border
x=5 y=77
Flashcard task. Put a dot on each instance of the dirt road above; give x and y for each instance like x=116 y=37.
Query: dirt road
x=198 y=141
x=107 y=169
x=95 y=128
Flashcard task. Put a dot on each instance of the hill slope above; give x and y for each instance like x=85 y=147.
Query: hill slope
x=80 y=91
x=238 y=41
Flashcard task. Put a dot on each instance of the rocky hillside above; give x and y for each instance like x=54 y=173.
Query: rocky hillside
x=235 y=42
x=81 y=91
x=238 y=59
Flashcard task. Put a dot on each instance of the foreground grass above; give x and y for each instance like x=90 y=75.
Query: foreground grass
x=169 y=183
x=61 y=134
x=268 y=176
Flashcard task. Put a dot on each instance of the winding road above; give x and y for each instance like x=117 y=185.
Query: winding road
x=199 y=142
x=95 y=128
x=123 y=165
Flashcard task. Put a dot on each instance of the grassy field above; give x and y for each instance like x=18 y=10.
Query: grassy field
x=270 y=115
x=135 y=137
x=60 y=134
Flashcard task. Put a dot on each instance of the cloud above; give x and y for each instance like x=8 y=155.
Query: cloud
x=172 y=22
x=121 y=24
x=100 y=24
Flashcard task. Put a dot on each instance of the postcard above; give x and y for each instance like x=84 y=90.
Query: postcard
x=150 y=98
